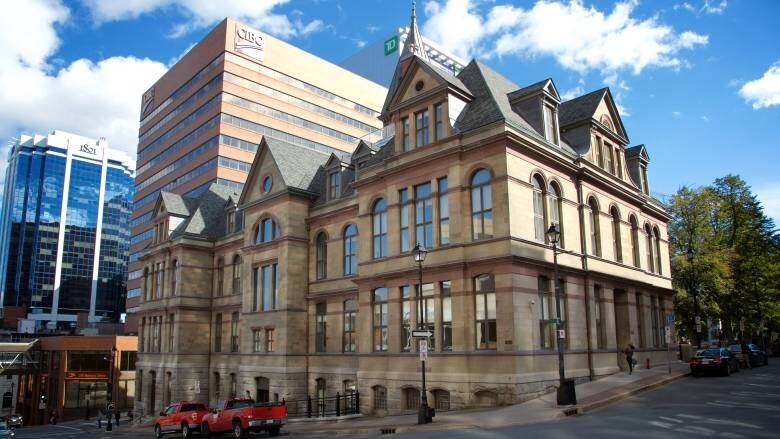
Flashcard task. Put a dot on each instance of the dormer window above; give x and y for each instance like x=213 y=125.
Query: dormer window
x=334 y=185
x=550 y=125
x=231 y=221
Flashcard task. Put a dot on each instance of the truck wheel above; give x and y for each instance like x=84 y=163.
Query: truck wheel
x=238 y=430
x=185 y=431
x=274 y=431
x=157 y=431
x=204 y=430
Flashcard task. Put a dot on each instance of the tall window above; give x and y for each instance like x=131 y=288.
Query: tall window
x=619 y=164
x=654 y=321
x=269 y=340
x=650 y=256
x=546 y=313
x=350 y=322
x=379 y=229
x=485 y=297
x=261 y=389
x=380 y=398
x=538 y=202
x=175 y=277
x=403 y=200
x=147 y=285
x=406 y=318
x=634 y=240
x=640 y=320
x=444 y=212
x=423 y=217
x=422 y=128
x=220 y=276
x=380 y=319
x=439 y=121
x=550 y=132
x=445 y=288
x=595 y=231
x=218 y=333
x=481 y=205
x=256 y=288
x=350 y=250
x=267 y=231
x=320 y=327
x=160 y=275
x=661 y=321
x=598 y=153
x=234 y=332
x=170 y=333
x=601 y=325
x=609 y=155
x=233 y=392
x=237 y=263
x=405 y=123
x=322 y=256
x=257 y=340
x=270 y=287
x=556 y=209
x=657 y=236
x=334 y=185
x=617 y=248
x=217 y=386
x=428 y=318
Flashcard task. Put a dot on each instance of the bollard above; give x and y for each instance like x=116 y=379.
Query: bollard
x=308 y=406
x=338 y=404
x=647 y=363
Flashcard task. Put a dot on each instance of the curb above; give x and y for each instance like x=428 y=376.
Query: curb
x=580 y=410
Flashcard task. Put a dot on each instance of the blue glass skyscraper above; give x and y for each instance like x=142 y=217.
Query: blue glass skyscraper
x=65 y=226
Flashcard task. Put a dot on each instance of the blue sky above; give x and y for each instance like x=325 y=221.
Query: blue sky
x=698 y=81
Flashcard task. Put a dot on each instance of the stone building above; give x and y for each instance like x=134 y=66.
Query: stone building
x=304 y=284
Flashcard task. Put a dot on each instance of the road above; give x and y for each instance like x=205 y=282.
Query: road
x=744 y=405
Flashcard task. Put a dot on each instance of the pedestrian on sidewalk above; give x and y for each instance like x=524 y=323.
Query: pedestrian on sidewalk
x=629 y=351
x=746 y=354
x=100 y=419
x=116 y=416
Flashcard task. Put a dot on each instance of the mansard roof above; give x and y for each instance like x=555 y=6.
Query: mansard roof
x=638 y=151
x=207 y=220
x=583 y=108
x=297 y=164
x=542 y=85
x=176 y=204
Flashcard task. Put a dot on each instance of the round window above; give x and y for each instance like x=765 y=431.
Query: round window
x=267 y=183
x=419 y=86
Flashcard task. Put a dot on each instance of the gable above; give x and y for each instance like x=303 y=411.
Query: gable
x=263 y=166
x=408 y=88
x=607 y=114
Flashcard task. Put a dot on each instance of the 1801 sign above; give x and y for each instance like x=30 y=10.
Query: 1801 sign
x=88 y=149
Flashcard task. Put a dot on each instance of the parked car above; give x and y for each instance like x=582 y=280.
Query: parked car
x=241 y=416
x=714 y=360
x=758 y=357
x=6 y=432
x=14 y=421
x=183 y=417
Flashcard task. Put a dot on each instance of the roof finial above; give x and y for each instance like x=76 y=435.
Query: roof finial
x=414 y=42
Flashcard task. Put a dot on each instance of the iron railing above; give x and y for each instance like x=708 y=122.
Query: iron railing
x=321 y=407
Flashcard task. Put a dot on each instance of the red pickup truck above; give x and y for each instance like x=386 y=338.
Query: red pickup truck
x=242 y=416
x=183 y=417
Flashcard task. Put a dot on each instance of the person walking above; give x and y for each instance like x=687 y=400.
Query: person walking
x=116 y=416
x=100 y=419
x=746 y=354
x=629 y=351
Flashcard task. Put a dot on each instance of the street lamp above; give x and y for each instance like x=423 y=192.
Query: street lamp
x=419 y=254
x=109 y=405
x=695 y=291
x=566 y=393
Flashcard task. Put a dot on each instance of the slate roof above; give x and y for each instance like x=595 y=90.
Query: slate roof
x=175 y=204
x=298 y=165
x=207 y=220
x=525 y=91
x=446 y=76
x=635 y=151
x=580 y=108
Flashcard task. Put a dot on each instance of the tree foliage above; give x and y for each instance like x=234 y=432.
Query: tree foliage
x=727 y=251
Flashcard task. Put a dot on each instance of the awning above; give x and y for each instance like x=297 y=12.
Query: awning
x=17 y=357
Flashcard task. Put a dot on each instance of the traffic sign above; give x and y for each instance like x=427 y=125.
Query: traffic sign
x=670 y=319
x=561 y=333
x=668 y=334
x=698 y=327
x=423 y=350
x=422 y=333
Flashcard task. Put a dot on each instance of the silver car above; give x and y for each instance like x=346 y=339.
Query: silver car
x=5 y=431
x=14 y=421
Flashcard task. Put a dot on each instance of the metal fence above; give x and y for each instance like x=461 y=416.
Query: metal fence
x=321 y=407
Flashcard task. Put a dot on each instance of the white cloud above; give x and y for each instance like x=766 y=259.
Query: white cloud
x=580 y=38
x=705 y=118
x=769 y=195
x=204 y=13
x=95 y=99
x=765 y=91
x=676 y=113
x=711 y=7
x=573 y=93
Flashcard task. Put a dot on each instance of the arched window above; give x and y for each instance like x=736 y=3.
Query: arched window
x=379 y=228
x=266 y=231
x=595 y=231
x=634 y=240
x=481 y=205
x=350 y=250
x=650 y=257
x=616 y=244
x=220 y=276
x=485 y=306
x=175 y=277
x=237 y=274
x=411 y=398
x=441 y=400
x=539 y=216
x=322 y=256
x=556 y=209
x=657 y=236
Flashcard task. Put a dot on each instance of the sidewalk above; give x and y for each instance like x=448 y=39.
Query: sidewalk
x=590 y=396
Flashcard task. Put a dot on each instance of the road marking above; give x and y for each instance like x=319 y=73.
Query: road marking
x=65 y=426
x=670 y=419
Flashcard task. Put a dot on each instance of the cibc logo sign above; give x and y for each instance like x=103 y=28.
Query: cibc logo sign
x=249 y=42
x=88 y=149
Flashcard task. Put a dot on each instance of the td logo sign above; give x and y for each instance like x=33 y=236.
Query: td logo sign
x=391 y=45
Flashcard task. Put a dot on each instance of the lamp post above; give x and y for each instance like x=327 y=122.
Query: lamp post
x=566 y=393
x=419 y=253
x=695 y=292
x=109 y=404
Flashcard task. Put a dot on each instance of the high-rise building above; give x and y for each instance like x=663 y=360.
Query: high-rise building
x=65 y=230
x=376 y=61
x=202 y=121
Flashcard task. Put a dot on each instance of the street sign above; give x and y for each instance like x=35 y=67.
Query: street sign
x=698 y=327
x=668 y=334
x=554 y=321
x=561 y=333
x=670 y=319
x=391 y=45
x=698 y=320
x=422 y=334
x=423 y=350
